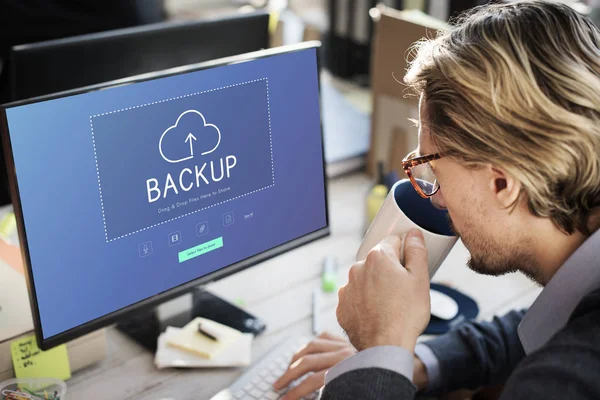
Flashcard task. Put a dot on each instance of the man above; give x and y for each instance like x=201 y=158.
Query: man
x=510 y=130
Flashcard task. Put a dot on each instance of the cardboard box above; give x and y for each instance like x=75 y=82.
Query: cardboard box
x=276 y=27
x=311 y=32
x=392 y=134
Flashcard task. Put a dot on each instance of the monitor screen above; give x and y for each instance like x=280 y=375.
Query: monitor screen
x=132 y=191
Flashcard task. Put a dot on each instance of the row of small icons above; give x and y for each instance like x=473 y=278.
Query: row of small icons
x=145 y=249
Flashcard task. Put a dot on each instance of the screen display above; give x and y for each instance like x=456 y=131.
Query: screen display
x=131 y=191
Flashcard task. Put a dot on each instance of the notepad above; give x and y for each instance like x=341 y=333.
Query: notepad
x=189 y=339
x=238 y=354
x=31 y=362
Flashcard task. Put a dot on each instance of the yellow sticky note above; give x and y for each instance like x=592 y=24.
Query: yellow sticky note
x=31 y=362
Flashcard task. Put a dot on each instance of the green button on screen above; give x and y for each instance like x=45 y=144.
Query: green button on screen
x=200 y=249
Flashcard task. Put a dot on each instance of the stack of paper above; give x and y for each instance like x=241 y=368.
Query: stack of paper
x=186 y=347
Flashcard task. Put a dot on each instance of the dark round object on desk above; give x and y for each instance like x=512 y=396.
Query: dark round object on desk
x=467 y=310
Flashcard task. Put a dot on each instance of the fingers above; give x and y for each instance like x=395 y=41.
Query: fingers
x=313 y=383
x=319 y=346
x=390 y=245
x=387 y=250
x=415 y=254
x=331 y=336
x=310 y=363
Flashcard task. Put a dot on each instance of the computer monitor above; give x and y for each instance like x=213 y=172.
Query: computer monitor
x=64 y=64
x=131 y=193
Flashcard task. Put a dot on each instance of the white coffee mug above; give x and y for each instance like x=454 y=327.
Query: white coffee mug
x=403 y=210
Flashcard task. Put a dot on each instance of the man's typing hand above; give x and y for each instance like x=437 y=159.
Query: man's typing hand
x=317 y=357
x=384 y=302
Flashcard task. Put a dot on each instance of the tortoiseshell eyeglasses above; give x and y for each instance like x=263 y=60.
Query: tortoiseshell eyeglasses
x=421 y=173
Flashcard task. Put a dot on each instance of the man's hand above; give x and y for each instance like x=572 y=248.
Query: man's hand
x=420 y=377
x=317 y=357
x=385 y=303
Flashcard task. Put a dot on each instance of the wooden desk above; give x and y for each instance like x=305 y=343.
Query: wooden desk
x=279 y=291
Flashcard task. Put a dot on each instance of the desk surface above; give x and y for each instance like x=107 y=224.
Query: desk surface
x=280 y=293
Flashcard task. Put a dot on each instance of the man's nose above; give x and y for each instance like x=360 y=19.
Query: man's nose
x=438 y=200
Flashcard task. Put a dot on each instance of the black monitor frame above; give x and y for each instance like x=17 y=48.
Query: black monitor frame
x=158 y=298
x=140 y=46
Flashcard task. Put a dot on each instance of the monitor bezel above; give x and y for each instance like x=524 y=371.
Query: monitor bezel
x=155 y=300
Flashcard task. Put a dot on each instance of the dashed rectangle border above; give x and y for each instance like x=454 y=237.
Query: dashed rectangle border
x=164 y=101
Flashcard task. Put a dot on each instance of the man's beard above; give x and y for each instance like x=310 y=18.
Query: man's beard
x=491 y=258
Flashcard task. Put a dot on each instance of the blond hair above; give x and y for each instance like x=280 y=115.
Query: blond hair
x=517 y=85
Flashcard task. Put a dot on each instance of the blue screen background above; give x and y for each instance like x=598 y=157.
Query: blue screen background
x=244 y=134
x=79 y=275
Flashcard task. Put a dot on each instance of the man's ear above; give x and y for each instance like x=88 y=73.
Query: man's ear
x=504 y=187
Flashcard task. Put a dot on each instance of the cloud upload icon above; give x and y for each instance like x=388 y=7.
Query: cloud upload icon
x=179 y=140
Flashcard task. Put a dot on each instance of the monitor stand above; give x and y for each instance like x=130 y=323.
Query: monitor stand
x=145 y=327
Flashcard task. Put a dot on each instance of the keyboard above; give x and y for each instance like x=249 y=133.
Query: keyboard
x=257 y=381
